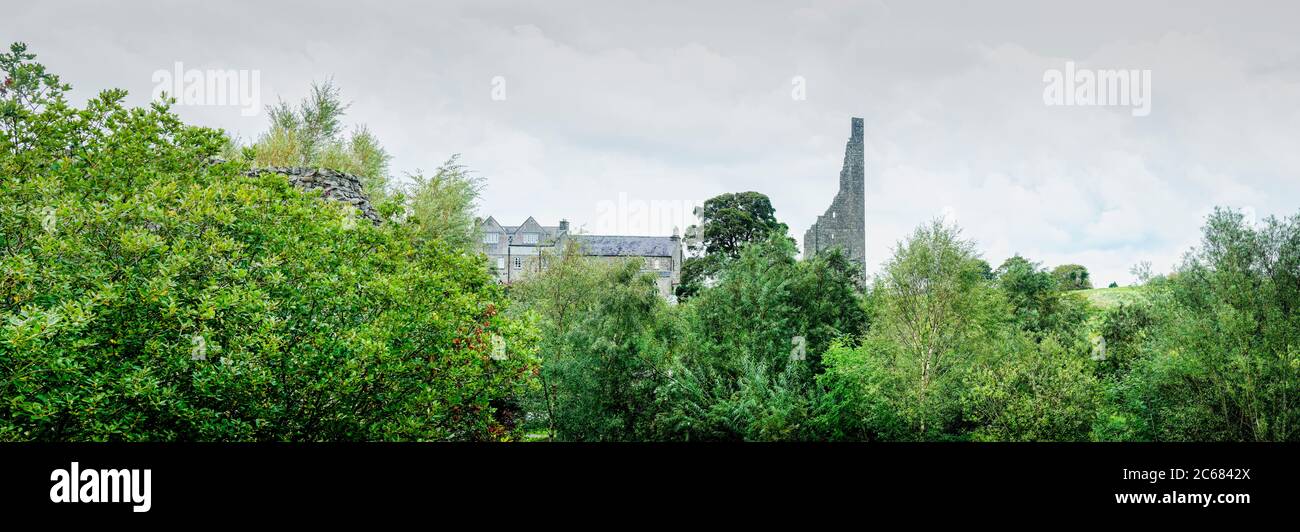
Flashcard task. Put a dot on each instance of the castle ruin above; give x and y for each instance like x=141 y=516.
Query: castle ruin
x=844 y=224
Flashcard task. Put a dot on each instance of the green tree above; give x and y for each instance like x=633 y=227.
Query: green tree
x=606 y=340
x=1071 y=277
x=945 y=358
x=935 y=306
x=754 y=342
x=312 y=134
x=443 y=204
x=1021 y=390
x=727 y=223
x=1038 y=304
x=986 y=271
x=149 y=295
x=1030 y=289
x=556 y=300
x=1221 y=359
x=1125 y=329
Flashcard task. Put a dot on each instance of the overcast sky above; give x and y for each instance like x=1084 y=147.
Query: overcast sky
x=676 y=103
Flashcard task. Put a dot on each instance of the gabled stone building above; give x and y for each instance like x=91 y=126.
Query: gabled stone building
x=516 y=252
x=844 y=224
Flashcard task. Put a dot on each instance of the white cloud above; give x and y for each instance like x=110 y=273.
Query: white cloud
x=666 y=103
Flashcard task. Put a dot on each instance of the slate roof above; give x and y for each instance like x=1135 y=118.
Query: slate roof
x=625 y=246
x=600 y=245
x=512 y=229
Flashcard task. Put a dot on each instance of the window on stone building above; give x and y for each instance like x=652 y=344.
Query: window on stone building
x=654 y=264
x=501 y=263
x=519 y=262
x=491 y=238
x=530 y=238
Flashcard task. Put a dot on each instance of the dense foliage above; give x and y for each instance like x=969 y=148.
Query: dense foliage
x=754 y=343
x=1072 y=277
x=152 y=290
x=606 y=340
x=442 y=204
x=951 y=355
x=1215 y=354
x=149 y=294
x=727 y=223
x=942 y=347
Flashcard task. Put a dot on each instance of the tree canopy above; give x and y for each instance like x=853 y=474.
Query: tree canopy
x=151 y=294
x=727 y=223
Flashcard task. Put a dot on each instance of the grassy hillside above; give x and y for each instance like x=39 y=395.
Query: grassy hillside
x=1106 y=298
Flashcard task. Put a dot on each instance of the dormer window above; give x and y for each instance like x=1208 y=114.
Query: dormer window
x=529 y=238
x=491 y=238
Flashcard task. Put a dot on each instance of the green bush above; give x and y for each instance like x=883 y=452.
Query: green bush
x=311 y=134
x=1221 y=358
x=1038 y=304
x=754 y=343
x=948 y=357
x=606 y=336
x=149 y=295
x=1026 y=391
x=1072 y=277
x=1125 y=329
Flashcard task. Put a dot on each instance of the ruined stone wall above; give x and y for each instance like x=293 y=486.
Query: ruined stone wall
x=337 y=186
x=844 y=223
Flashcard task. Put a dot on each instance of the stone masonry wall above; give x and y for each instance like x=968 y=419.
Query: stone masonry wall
x=844 y=223
x=337 y=186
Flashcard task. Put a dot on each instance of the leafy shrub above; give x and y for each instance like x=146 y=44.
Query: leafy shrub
x=1125 y=329
x=606 y=336
x=443 y=204
x=1026 y=391
x=1221 y=360
x=1071 y=277
x=312 y=134
x=754 y=342
x=149 y=295
x=947 y=358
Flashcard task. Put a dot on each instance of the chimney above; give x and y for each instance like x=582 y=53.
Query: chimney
x=564 y=226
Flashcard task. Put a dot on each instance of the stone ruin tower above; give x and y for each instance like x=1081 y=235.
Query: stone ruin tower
x=844 y=224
